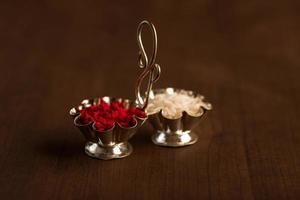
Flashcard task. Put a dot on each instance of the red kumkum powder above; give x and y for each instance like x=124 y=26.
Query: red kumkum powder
x=106 y=115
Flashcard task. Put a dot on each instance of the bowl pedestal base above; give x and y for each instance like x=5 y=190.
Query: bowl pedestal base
x=114 y=151
x=174 y=139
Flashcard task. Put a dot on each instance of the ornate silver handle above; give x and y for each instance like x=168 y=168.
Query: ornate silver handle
x=150 y=67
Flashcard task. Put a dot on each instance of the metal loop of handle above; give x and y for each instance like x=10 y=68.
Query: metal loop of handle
x=150 y=67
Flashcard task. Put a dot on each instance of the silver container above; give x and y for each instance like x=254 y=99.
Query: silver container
x=114 y=143
x=179 y=131
x=108 y=144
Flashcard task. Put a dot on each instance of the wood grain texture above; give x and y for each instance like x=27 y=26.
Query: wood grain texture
x=243 y=55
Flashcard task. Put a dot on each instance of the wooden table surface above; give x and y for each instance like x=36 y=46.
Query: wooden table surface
x=243 y=56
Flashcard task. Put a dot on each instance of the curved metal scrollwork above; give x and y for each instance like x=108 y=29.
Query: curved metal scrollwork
x=151 y=68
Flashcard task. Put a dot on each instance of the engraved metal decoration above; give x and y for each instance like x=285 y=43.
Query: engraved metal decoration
x=176 y=132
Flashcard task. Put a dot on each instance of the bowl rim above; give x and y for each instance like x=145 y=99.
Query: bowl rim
x=170 y=90
x=75 y=112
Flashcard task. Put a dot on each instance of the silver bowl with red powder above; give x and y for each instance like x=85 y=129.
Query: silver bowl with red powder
x=107 y=124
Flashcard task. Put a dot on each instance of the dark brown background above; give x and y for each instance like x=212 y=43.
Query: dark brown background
x=243 y=56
